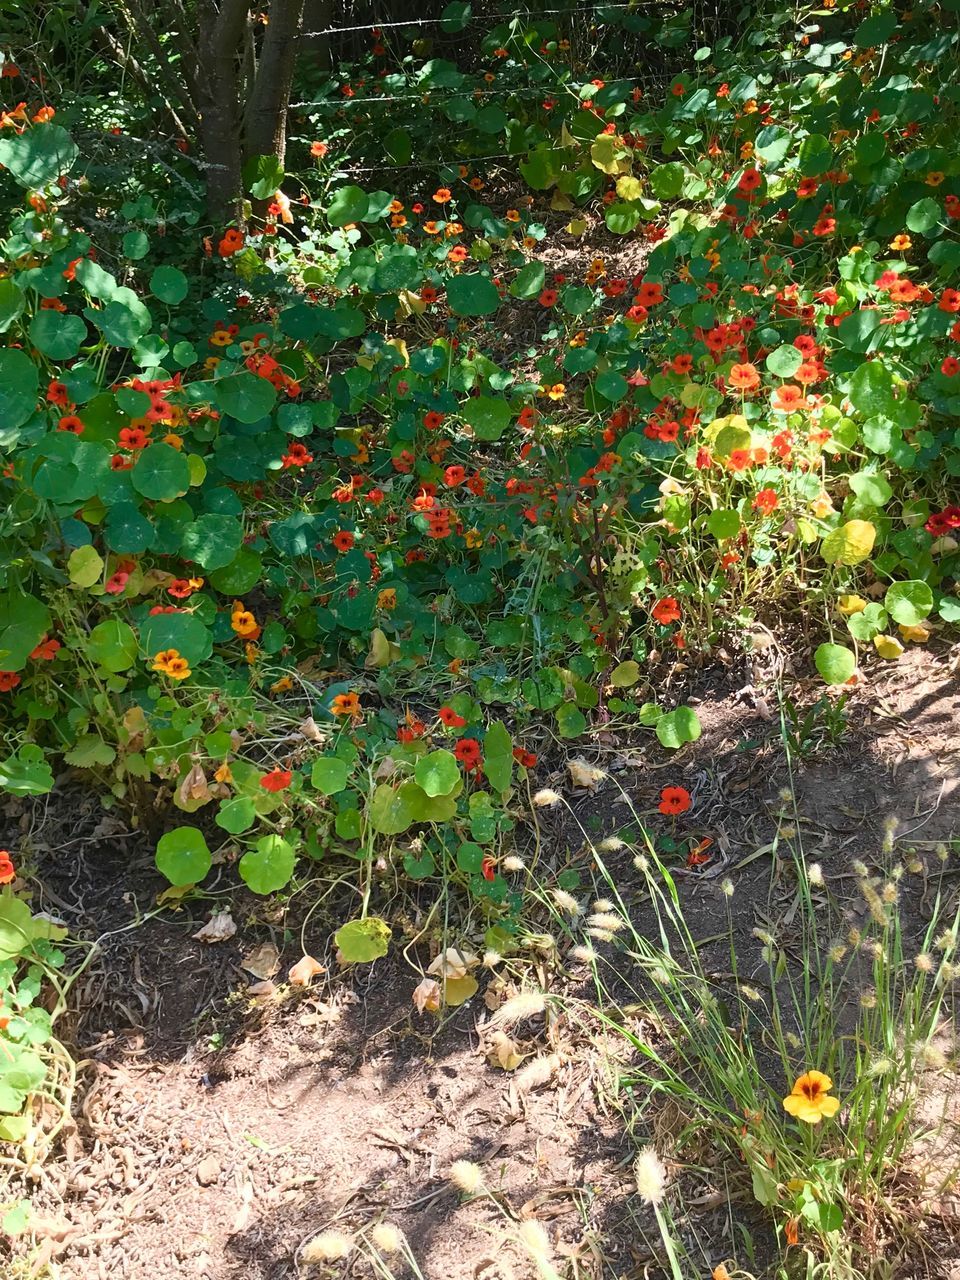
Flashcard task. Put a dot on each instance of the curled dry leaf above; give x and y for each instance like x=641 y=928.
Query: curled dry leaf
x=311 y=730
x=426 y=995
x=263 y=961
x=194 y=789
x=453 y=963
x=265 y=988
x=304 y=971
x=501 y=1051
x=584 y=774
x=217 y=929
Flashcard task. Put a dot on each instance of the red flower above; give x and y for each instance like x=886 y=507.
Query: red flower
x=548 y=297
x=46 y=650
x=674 y=800
x=766 y=501
x=343 y=540
x=276 y=780
x=467 y=752
x=8 y=871
x=432 y=420
x=488 y=868
x=116 y=583
x=525 y=758
x=8 y=680
x=449 y=717
x=71 y=423
x=666 y=611
x=57 y=394
x=744 y=377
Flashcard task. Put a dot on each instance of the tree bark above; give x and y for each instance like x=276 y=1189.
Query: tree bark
x=265 y=118
x=218 y=57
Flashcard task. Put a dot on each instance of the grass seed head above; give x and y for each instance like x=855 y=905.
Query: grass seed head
x=566 y=901
x=650 y=1176
x=466 y=1176
x=387 y=1237
x=328 y=1246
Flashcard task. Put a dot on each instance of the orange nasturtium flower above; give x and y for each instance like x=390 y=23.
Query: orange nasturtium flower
x=8 y=871
x=810 y=1099
x=744 y=377
x=169 y=663
x=666 y=611
x=442 y=195
x=346 y=704
x=243 y=622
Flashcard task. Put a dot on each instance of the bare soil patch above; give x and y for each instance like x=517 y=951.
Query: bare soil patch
x=217 y=1130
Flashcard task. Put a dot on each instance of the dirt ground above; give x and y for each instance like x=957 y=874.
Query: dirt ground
x=222 y=1120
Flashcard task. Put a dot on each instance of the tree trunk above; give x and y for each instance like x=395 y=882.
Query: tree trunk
x=265 y=117
x=218 y=55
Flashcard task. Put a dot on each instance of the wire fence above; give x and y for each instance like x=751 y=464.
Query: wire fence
x=571 y=11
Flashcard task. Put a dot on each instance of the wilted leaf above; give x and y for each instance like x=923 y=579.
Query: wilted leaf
x=263 y=962
x=306 y=969
x=502 y=1052
x=426 y=995
x=218 y=928
x=888 y=647
x=458 y=990
x=453 y=963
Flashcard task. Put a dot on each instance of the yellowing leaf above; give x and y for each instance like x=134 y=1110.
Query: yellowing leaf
x=457 y=990
x=918 y=634
x=849 y=605
x=850 y=544
x=625 y=675
x=561 y=202
x=731 y=437
x=608 y=155
x=576 y=226
x=411 y=303
x=400 y=346
x=502 y=1052
x=888 y=647
x=629 y=187
x=566 y=137
x=382 y=651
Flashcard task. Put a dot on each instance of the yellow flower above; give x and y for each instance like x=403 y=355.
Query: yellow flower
x=809 y=1101
x=223 y=774
x=822 y=506
x=172 y=439
x=169 y=663
x=220 y=338
x=387 y=598
x=900 y=242
x=473 y=538
x=935 y=178
x=283 y=685
x=243 y=622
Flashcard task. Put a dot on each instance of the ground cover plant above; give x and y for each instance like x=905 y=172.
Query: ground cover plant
x=535 y=364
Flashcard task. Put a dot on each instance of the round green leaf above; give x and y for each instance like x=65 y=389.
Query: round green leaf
x=19 y=381
x=349 y=204
x=183 y=856
x=24 y=621
x=437 y=773
x=816 y=155
x=85 y=566
x=11 y=303
x=835 y=663
x=113 y=645
x=181 y=631
x=908 y=602
x=498 y=756
x=784 y=361
x=136 y=245
x=362 y=941
x=58 y=336
x=39 y=155
x=470 y=858
x=571 y=721
x=529 y=280
x=124 y=320
x=236 y=815
x=242 y=573
x=724 y=523
x=389 y=810
x=169 y=284
x=472 y=295
x=269 y=866
x=489 y=416
x=871 y=390
x=161 y=473
x=678 y=727
x=329 y=774
x=923 y=216
x=213 y=541
x=244 y=396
